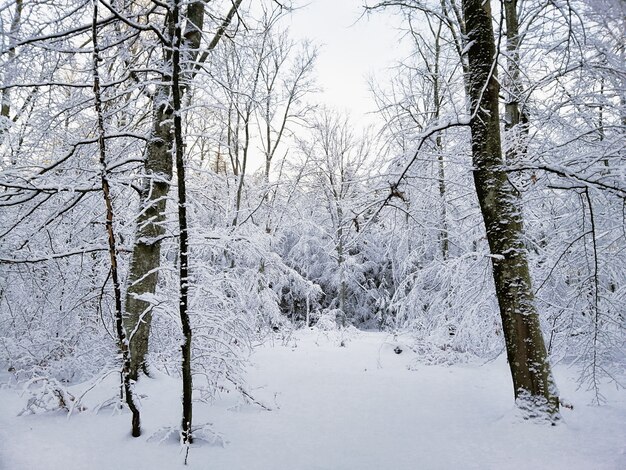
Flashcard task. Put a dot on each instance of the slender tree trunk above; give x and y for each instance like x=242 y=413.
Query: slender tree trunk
x=243 y=168
x=119 y=326
x=511 y=107
x=343 y=288
x=176 y=35
x=502 y=213
x=515 y=120
x=341 y=259
x=443 y=235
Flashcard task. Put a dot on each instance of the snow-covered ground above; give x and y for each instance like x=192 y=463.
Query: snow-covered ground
x=335 y=408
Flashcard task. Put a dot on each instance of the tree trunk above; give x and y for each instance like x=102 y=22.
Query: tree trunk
x=511 y=108
x=183 y=252
x=502 y=213
x=146 y=256
x=443 y=235
x=119 y=326
x=341 y=259
x=515 y=120
x=5 y=101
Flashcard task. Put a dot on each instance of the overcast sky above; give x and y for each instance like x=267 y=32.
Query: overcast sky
x=351 y=49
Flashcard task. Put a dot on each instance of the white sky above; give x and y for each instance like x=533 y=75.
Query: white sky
x=351 y=50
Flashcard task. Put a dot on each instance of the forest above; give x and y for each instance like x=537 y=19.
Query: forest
x=193 y=245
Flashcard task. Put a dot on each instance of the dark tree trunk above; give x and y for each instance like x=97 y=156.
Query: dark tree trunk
x=176 y=35
x=502 y=213
x=119 y=326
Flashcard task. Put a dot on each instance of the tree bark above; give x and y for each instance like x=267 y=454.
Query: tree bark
x=146 y=256
x=5 y=101
x=119 y=326
x=443 y=235
x=183 y=252
x=341 y=259
x=502 y=213
x=515 y=120
x=511 y=108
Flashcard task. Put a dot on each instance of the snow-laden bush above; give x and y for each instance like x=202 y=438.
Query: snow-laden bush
x=55 y=319
x=329 y=327
x=46 y=394
x=327 y=320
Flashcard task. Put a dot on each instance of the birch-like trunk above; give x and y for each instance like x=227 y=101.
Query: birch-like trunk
x=5 y=100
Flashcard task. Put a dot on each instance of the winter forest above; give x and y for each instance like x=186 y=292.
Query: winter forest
x=202 y=263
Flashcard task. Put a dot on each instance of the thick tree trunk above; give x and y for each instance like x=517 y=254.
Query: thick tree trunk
x=499 y=202
x=146 y=256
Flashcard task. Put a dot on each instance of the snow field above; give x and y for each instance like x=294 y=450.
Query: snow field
x=334 y=408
